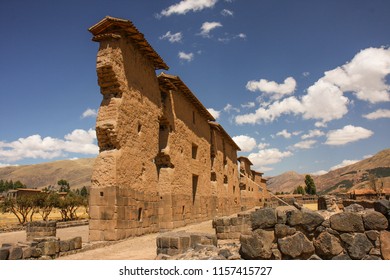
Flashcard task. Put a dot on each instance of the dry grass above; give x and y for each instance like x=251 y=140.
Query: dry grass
x=311 y=206
x=9 y=219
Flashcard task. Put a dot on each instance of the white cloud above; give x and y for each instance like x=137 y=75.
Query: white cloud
x=378 y=114
x=226 y=13
x=276 y=91
x=306 y=144
x=284 y=133
x=186 y=6
x=325 y=101
x=262 y=146
x=318 y=173
x=214 y=112
x=364 y=75
x=347 y=134
x=269 y=113
x=266 y=157
x=34 y=146
x=228 y=108
x=7 y=165
x=246 y=143
x=344 y=163
x=173 y=38
x=306 y=74
x=248 y=105
x=313 y=133
x=186 y=56
x=89 y=113
x=207 y=27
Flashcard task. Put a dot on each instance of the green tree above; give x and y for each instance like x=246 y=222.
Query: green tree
x=69 y=204
x=299 y=190
x=21 y=207
x=45 y=202
x=310 y=186
x=64 y=185
x=84 y=192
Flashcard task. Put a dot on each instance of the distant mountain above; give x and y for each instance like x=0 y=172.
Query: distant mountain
x=339 y=180
x=355 y=175
x=286 y=182
x=77 y=172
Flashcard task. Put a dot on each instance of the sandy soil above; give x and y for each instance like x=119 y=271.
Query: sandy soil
x=136 y=248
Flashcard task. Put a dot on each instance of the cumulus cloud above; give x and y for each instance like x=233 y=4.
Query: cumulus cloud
x=306 y=144
x=325 y=101
x=214 y=112
x=89 y=113
x=185 y=6
x=173 y=38
x=246 y=143
x=284 y=133
x=186 y=56
x=34 y=146
x=313 y=133
x=275 y=90
x=344 y=163
x=262 y=146
x=228 y=108
x=347 y=134
x=266 y=157
x=364 y=75
x=207 y=27
x=378 y=114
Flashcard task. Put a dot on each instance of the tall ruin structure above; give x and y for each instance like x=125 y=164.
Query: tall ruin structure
x=164 y=161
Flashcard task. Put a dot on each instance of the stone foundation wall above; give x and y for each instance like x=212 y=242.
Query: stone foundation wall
x=232 y=227
x=289 y=233
x=174 y=243
x=41 y=229
x=39 y=248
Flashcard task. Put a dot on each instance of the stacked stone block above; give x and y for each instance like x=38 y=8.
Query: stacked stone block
x=232 y=227
x=39 y=248
x=290 y=233
x=174 y=243
x=41 y=229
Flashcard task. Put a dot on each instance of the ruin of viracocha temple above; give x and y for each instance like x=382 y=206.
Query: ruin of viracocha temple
x=164 y=161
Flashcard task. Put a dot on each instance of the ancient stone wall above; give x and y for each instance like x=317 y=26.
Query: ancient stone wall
x=164 y=162
x=40 y=248
x=289 y=233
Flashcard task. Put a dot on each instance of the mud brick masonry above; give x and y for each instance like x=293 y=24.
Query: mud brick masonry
x=164 y=161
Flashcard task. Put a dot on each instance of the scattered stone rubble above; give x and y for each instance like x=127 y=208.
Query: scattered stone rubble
x=39 y=248
x=289 y=233
x=42 y=242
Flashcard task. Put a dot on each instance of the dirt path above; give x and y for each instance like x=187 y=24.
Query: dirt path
x=136 y=248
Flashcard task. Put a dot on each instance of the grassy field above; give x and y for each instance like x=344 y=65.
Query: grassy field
x=9 y=219
x=311 y=206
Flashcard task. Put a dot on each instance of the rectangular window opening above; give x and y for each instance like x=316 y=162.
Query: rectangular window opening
x=194 y=187
x=194 y=151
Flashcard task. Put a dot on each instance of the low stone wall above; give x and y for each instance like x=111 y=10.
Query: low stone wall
x=173 y=243
x=39 y=248
x=41 y=229
x=289 y=233
x=232 y=227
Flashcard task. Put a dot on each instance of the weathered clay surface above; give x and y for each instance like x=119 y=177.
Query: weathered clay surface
x=164 y=162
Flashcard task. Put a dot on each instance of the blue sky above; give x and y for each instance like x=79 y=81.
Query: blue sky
x=300 y=85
